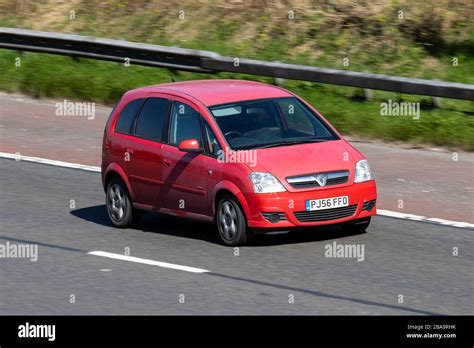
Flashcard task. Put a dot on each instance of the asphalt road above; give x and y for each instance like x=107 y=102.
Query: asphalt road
x=405 y=257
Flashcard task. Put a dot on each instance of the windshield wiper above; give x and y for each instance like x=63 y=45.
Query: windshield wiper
x=292 y=142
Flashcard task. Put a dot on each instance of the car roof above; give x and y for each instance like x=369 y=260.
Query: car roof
x=215 y=92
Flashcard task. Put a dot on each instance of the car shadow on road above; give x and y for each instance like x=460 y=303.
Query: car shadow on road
x=184 y=228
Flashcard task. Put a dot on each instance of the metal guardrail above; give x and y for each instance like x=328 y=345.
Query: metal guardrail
x=104 y=49
x=210 y=62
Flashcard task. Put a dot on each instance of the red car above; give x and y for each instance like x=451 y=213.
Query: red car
x=247 y=156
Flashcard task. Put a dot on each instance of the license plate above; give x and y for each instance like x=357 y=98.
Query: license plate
x=327 y=203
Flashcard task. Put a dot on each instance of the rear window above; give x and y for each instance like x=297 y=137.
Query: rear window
x=127 y=115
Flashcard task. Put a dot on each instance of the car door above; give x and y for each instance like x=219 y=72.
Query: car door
x=184 y=173
x=144 y=148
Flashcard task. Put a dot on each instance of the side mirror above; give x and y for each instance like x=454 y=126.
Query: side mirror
x=190 y=145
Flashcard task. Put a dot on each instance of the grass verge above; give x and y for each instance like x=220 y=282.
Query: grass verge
x=42 y=75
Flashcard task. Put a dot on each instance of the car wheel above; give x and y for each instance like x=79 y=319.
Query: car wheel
x=119 y=205
x=357 y=225
x=231 y=222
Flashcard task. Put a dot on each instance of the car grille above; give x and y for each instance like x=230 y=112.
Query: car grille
x=309 y=180
x=327 y=214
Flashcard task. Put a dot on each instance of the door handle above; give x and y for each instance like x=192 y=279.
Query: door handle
x=166 y=162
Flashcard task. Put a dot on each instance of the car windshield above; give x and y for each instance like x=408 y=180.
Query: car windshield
x=270 y=123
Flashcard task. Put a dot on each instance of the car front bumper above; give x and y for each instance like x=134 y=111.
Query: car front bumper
x=293 y=206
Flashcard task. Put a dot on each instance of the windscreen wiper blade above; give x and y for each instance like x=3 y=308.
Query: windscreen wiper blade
x=292 y=142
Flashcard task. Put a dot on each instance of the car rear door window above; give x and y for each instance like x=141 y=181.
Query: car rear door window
x=151 y=120
x=185 y=124
x=127 y=115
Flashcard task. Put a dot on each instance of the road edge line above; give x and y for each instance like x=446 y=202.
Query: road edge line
x=18 y=157
x=420 y=218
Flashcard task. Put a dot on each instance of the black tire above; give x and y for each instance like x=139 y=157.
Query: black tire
x=118 y=203
x=231 y=222
x=357 y=226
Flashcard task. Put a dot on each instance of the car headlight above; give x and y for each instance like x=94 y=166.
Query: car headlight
x=265 y=183
x=363 y=172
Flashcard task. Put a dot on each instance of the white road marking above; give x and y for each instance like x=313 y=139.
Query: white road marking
x=381 y=212
x=48 y=161
x=413 y=217
x=147 y=261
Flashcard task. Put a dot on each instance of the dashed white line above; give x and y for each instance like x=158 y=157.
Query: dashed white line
x=147 y=262
x=381 y=212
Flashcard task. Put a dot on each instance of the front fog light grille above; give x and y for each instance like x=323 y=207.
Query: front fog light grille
x=274 y=217
x=369 y=205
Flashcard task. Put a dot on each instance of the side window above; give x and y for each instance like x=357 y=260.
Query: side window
x=184 y=124
x=151 y=120
x=127 y=115
x=211 y=139
x=295 y=117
